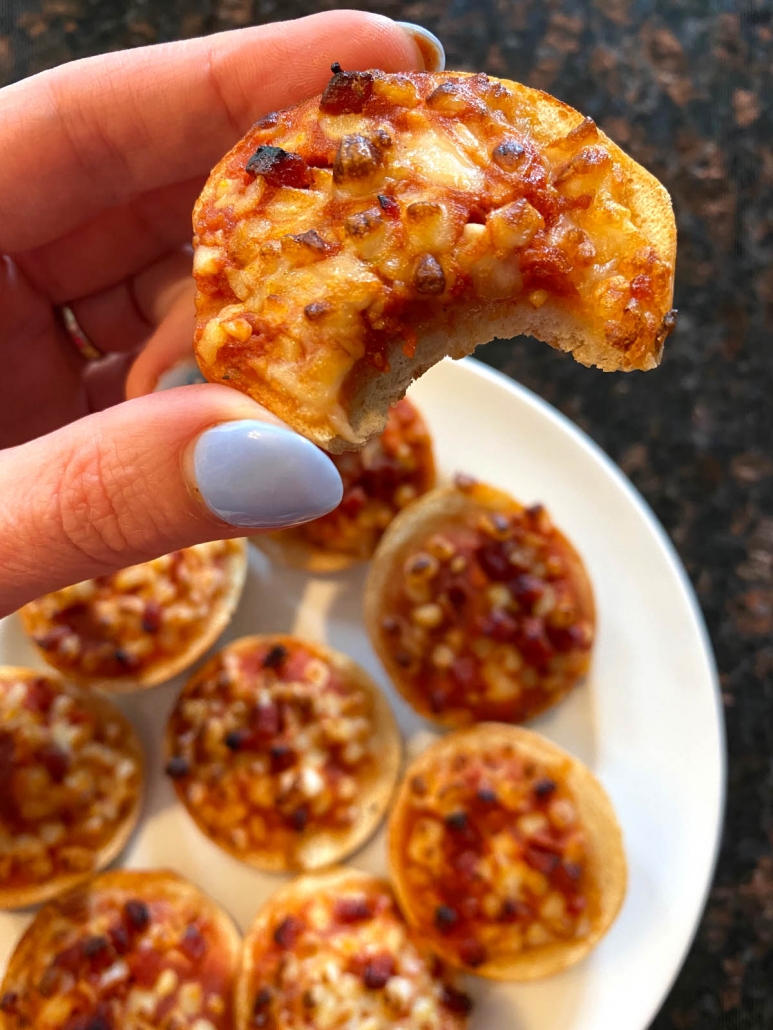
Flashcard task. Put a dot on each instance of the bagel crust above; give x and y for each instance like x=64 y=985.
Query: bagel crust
x=131 y=949
x=389 y=473
x=505 y=853
x=143 y=625
x=71 y=775
x=332 y=950
x=284 y=752
x=479 y=609
x=347 y=244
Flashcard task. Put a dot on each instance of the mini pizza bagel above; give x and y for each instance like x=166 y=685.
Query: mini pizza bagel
x=143 y=625
x=331 y=949
x=505 y=853
x=128 y=951
x=284 y=752
x=347 y=244
x=480 y=609
x=71 y=781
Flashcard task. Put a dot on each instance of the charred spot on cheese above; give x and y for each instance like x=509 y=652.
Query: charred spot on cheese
x=268 y=121
x=457 y=821
x=388 y=205
x=347 y=92
x=317 y=309
x=544 y=788
x=357 y=158
x=9 y=1002
x=509 y=155
x=363 y=223
x=279 y=167
x=429 y=278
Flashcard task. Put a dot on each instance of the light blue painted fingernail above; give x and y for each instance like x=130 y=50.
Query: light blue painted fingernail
x=258 y=475
x=430 y=46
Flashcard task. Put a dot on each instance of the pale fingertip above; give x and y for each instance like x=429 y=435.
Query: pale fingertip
x=429 y=46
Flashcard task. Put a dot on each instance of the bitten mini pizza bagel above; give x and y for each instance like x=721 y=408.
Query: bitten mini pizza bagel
x=479 y=609
x=284 y=752
x=130 y=950
x=71 y=777
x=143 y=625
x=332 y=950
x=389 y=473
x=347 y=244
x=505 y=853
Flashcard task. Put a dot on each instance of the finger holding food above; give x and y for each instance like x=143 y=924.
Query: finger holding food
x=71 y=777
x=346 y=245
x=480 y=609
x=284 y=752
x=389 y=473
x=332 y=950
x=143 y=625
x=505 y=853
x=130 y=950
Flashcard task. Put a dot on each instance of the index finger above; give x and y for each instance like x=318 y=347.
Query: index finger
x=97 y=132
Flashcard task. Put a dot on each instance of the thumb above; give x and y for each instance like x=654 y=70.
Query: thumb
x=147 y=477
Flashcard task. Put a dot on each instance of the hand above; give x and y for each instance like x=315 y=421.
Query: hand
x=102 y=162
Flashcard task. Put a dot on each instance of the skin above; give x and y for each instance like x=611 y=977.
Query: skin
x=103 y=160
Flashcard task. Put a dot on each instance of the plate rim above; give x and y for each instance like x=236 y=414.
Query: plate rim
x=533 y=400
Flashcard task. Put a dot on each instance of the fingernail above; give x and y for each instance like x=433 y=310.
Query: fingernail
x=184 y=373
x=429 y=45
x=258 y=475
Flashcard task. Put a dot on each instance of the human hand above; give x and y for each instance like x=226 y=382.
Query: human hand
x=103 y=160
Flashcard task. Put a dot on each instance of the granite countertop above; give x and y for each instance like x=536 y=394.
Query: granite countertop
x=685 y=86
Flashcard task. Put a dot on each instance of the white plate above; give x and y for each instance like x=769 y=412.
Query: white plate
x=648 y=721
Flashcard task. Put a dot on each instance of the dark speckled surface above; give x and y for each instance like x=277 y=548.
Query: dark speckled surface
x=685 y=86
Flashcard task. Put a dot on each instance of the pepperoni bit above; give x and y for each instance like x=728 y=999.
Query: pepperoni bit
x=279 y=167
x=445 y=918
x=527 y=589
x=347 y=92
x=275 y=657
x=499 y=626
x=151 y=617
x=282 y=757
x=494 y=562
x=464 y=671
x=455 y=1000
x=457 y=821
x=193 y=943
x=49 y=982
x=137 y=915
x=267 y=719
x=261 y=1017
x=533 y=643
x=377 y=971
x=299 y=819
x=119 y=938
x=39 y=696
x=9 y=1002
x=56 y=762
x=472 y=952
x=354 y=501
x=288 y=931
x=128 y=661
x=177 y=767
x=352 y=910
x=234 y=739
x=544 y=862
x=94 y=946
x=389 y=206
x=544 y=788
